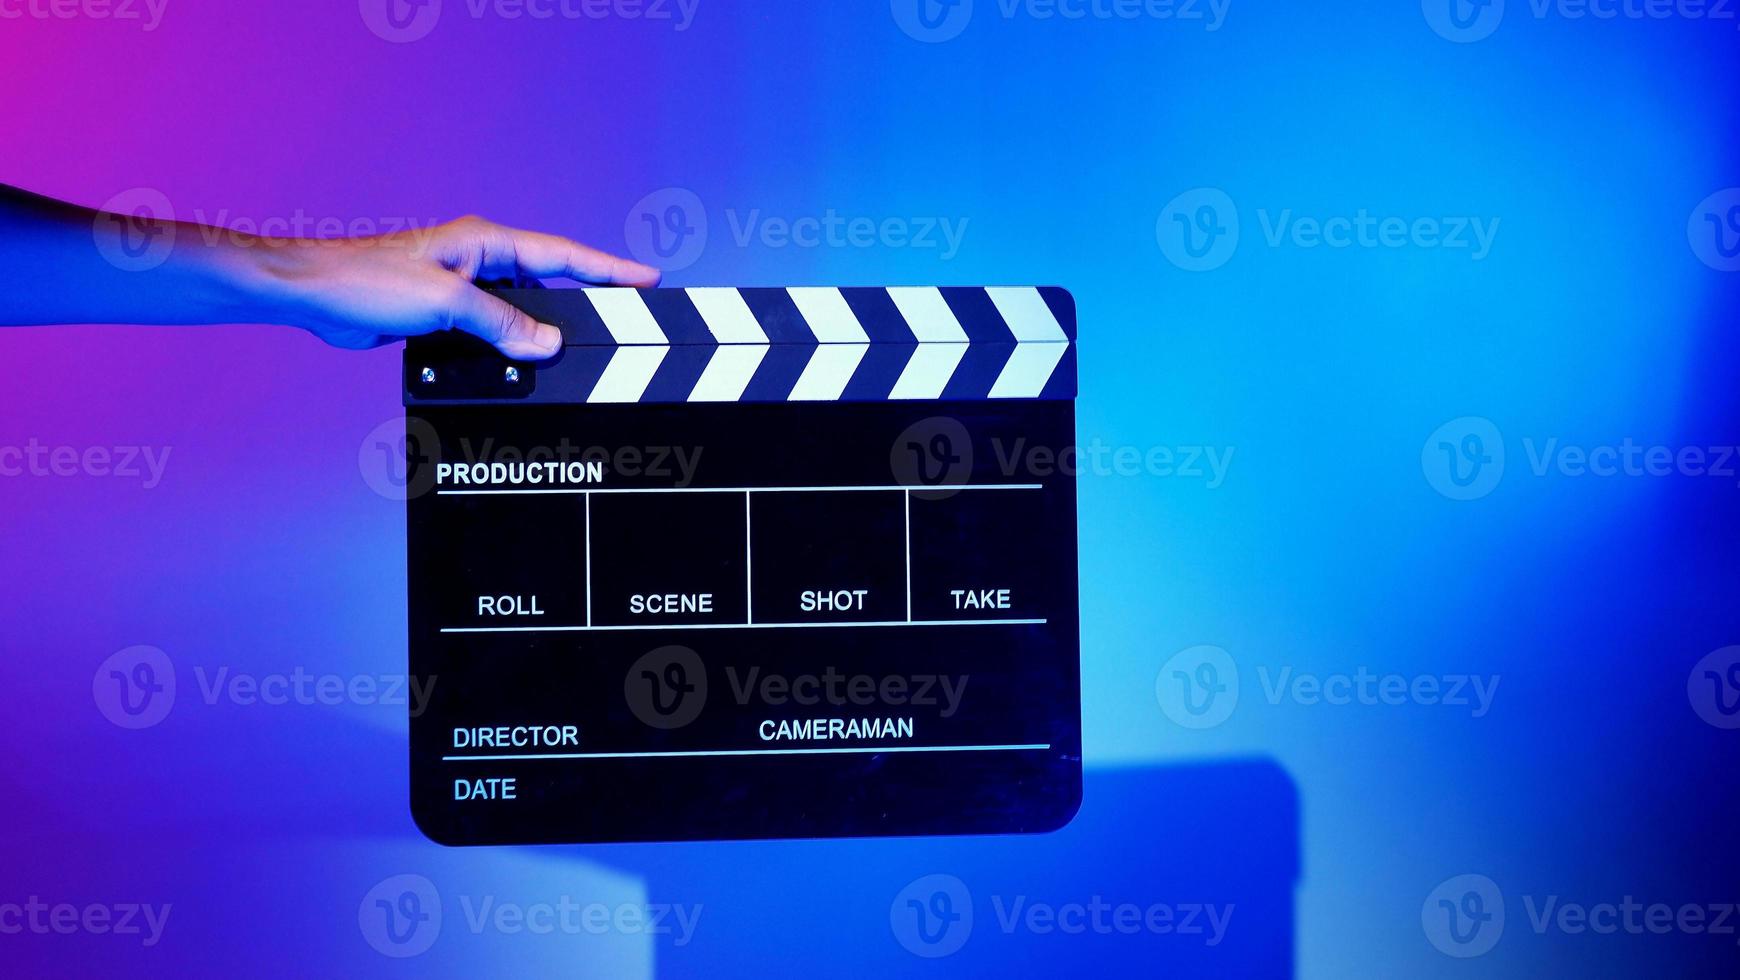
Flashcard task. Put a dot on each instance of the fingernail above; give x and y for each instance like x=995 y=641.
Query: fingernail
x=544 y=342
x=548 y=338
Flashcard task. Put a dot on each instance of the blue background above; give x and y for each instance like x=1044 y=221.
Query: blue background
x=1333 y=543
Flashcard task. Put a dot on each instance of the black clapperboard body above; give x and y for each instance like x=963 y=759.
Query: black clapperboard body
x=747 y=563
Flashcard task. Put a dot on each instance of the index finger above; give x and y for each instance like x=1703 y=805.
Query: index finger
x=536 y=254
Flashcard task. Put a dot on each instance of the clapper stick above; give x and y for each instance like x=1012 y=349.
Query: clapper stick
x=747 y=563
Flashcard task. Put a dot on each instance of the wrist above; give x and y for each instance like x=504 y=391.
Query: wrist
x=267 y=281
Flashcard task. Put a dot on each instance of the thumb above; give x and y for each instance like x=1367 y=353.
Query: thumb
x=510 y=330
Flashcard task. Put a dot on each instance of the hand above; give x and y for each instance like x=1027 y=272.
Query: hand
x=57 y=267
x=364 y=292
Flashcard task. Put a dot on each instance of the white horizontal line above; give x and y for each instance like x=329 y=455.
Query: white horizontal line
x=473 y=493
x=738 y=626
x=853 y=750
x=921 y=488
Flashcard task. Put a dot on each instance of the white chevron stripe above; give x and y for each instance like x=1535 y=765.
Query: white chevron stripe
x=728 y=372
x=727 y=315
x=626 y=316
x=827 y=314
x=928 y=371
x=927 y=314
x=1025 y=312
x=630 y=370
x=825 y=376
x=1027 y=371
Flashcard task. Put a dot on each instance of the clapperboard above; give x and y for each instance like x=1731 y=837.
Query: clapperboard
x=747 y=563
